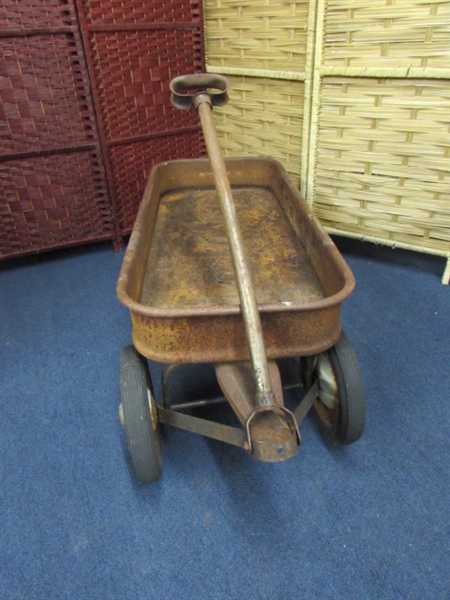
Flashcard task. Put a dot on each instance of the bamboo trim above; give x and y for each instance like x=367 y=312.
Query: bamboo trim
x=386 y=72
x=315 y=99
x=446 y=276
x=261 y=73
x=308 y=96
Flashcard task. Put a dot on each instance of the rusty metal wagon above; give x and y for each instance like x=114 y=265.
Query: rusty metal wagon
x=227 y=264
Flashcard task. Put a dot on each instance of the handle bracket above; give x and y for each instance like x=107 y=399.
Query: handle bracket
x=186 y=90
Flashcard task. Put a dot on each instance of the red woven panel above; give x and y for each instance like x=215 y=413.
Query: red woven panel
x=43 y=100
x=52 y=201
x=133 y=50
x=133 y=71
x=119 y=12
x=32 y=14
x=132 y=164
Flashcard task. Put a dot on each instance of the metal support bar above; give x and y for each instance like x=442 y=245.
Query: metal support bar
x=211 y=429
x=199 y=403
x=306 y=403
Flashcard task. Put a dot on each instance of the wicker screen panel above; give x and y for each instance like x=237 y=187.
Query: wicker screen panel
x=381 y=33
x=35 y=14
x=132 y=164
x=133 y=70
x=52 y=200
x=53 y=188
x=267 y=35
x=383 y=160
x=114 y=13
x=266 y=50
x=133 y=50
x=263 y=118
x=43 y=100
x=378 y=166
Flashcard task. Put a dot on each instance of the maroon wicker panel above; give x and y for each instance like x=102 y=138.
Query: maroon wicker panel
x=34 y=14
x=133 y=50
x=43 y=99
x=133 y=71
x=53 y=185
x=132 y=164
x=52 y=201
x=118 y=12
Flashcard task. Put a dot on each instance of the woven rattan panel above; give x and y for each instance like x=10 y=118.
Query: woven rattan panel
x=377 y=33
x=264 y=49
x=371 y=153
x=53 y=184
x=263 y=118
x=267 y=35
x=133 y=50
x=382 y=167
x=379 y=165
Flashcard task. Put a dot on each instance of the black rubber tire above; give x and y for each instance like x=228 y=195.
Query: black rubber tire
x=140 y=428
x=349 y=425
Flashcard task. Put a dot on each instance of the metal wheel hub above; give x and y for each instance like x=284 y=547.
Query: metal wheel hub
x=328 y=389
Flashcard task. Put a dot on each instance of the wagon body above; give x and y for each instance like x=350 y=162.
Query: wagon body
x=177 y=280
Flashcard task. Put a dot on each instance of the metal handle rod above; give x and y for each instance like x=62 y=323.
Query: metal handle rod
x=249 y=307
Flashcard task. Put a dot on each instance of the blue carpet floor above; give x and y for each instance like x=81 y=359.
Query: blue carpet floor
x=369 y=521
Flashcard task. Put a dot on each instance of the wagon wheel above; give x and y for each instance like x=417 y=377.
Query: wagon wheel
x=341 y=403
x=138 y=414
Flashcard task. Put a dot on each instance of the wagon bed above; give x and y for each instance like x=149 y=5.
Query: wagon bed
x=177 y=278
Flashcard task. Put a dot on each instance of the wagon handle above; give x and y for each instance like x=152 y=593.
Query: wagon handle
x=189 y=90
x=203 y=102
